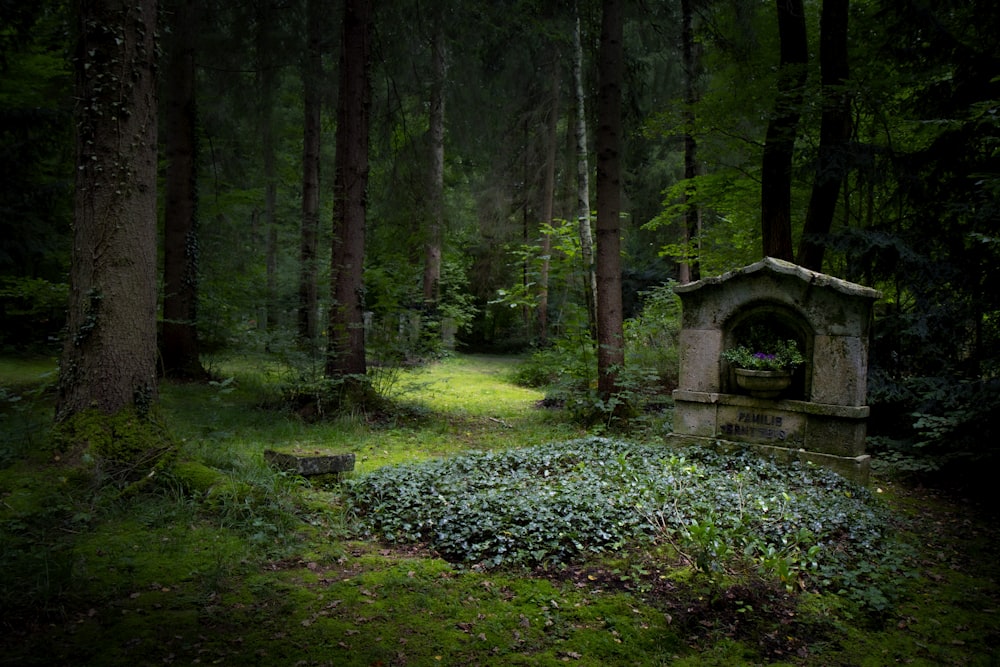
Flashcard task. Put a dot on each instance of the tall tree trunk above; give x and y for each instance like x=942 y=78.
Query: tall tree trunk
x=312 y=74
x=834 y=133
x=267 y=84
x=109 y=356
x=779 y=141
x=346 y=351
x=610 y=339
x=548 y=202
x=583 y=180
x=689 y=267
x=526 y=216
x=435 y=183
x=179 y=336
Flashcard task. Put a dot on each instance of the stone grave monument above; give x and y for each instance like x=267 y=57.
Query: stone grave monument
x=819 y=414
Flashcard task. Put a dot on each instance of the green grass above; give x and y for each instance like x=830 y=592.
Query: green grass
x=449 y=407
x=26 y=372
x=233 y=563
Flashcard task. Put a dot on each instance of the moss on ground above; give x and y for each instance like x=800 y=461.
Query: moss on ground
x=224 y=561
x=124 y=449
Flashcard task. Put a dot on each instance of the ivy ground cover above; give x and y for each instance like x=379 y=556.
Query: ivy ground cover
x=556 y=504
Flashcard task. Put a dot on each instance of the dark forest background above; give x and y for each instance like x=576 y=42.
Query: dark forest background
x=856 y=138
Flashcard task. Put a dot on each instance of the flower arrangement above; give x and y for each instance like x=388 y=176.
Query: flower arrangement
x=782 y=355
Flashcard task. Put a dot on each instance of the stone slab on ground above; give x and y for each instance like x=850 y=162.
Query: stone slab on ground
x=310 y=463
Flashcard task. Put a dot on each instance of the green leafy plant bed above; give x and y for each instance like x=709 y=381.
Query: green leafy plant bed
x=554 y=504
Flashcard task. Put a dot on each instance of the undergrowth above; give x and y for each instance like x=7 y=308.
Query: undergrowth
x=590 y=551
x=555 y=504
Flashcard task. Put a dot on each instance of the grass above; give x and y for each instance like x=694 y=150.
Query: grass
x=249 y=566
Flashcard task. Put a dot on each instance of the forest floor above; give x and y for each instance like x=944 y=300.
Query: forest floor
x=265 y=569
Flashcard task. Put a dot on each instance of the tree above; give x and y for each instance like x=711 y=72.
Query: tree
x=435 y=171
x=835 y=130
x=548 y=201
x=312 y=73
x=109 y=356
x=267 y=84
x=779 y=141
x=346 y=348
x=610 y=342
x=36 y=168
x=689 y=266
x=179 y=336
x=583 y=178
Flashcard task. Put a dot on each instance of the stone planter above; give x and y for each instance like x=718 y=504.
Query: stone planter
x=763 y=384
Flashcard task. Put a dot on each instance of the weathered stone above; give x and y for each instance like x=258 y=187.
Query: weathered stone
x=822 y=416
x=310 y=464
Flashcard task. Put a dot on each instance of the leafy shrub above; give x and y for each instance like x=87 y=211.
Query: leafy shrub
x=651 y=339
x=31 y=310
x=552 y=504
x=568 y=368
x=943 y=431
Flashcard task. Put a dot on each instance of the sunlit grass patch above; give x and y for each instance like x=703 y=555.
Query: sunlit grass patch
x=471 y=385
x=441 y=409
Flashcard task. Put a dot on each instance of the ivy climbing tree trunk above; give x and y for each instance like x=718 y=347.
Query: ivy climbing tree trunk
x=610 y=337
x=109 y=356
x=346 y=347
x=779 y=141
x=179 y=333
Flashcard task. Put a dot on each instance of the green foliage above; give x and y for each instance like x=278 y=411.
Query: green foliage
x=729 y=199
x=244 y=564
x=783 y=355
x=554 y=504
x=651 y=337
x=567 y=368
x=32 y=310
x=36 y=164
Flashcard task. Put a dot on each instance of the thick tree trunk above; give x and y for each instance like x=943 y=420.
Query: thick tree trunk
x=312 y=73
x=179 y=334
x=689 y=267
x=583 y=181
x=435 y=183
x=109 y=356
x=834 y=133
x=346 y=351
x=610 y=340
x=779 y=142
